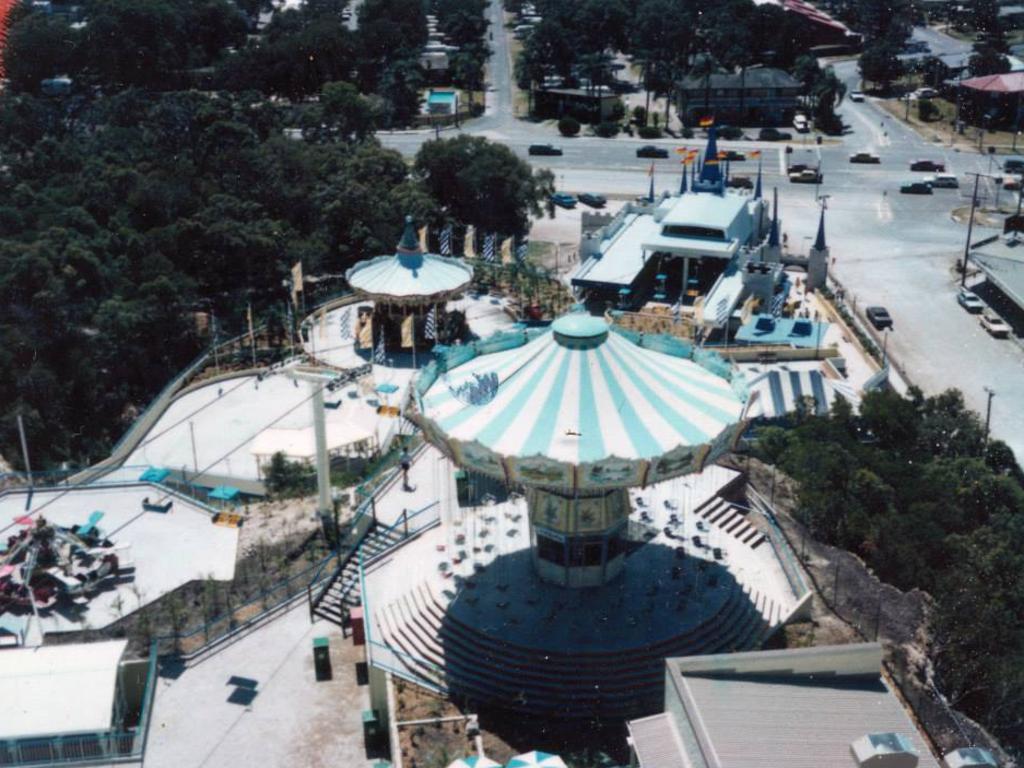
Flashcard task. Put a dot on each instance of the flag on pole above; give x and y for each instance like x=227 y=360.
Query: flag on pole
x=755 y=153
x=346 y=323
x=430 y=325
x=365 y=332
x=521 y=250
x=423 y=238
x=408 y=329
x=446 y=241
x=707 y=122
x=506 y=251
x=296 y=282
x=468 y=246
x=248 y=314
x=682 y=150
x=489 y=247
x=380 y=354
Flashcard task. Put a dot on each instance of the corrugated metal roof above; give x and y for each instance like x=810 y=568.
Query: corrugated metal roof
x=656 y=743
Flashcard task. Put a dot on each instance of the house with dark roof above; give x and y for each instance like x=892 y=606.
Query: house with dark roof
x=761 y=95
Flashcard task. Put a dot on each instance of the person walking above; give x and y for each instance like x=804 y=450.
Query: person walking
x=405 y=462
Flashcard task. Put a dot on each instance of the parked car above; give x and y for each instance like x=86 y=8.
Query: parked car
x=933 y=166
x=563 y=200
x=857 y=96
x=916 y=188
x=969 y=300
x=594 y=201
x=544 y=149
x=717 y=553
x=925 y=93
x=1012 y=183
x=740 y=182
x=942 y=181
x=649 y=150
x=806 y=176
x=879 y=317
x=733 y=156
x=801 y=124
x=773 y=134
x=995 y=325
x=1013 y=165
x=864 y=157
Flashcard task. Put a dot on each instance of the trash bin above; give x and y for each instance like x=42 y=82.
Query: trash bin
x=371 y=728
x=322 y=658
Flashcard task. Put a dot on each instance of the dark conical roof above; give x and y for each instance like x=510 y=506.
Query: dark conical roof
x=409 y=242
x=819 y=241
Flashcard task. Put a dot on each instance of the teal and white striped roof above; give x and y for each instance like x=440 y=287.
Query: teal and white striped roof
x=579 y=394
x=410 y=276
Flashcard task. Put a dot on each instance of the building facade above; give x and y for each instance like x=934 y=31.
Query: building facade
x=760 y=96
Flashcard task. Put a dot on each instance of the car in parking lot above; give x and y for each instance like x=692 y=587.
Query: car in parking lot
x=563 y=200
x=544 y=149
x=879 y=317
x=942 y=181
x=740 y=182
x=1012 y=183
x=994 y=324
x=717 y=553
x=969 y=300
x=865 y=157
x=773 y=134
x=806 y=176
x=916 y=188
x=733 y=156
x=933 y=166
x=857 y=96
x=594 y=201
x=801 y=124
x=649 y=150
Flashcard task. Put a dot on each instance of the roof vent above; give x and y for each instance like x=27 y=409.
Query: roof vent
x=970 y=757
x=884 y=750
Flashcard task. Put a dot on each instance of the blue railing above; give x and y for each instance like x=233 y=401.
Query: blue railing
x=109 y=746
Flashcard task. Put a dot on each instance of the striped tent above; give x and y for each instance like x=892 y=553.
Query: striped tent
x=579 y=393
x=783 y=390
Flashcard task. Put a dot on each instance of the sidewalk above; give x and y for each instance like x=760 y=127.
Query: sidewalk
x=257 y=703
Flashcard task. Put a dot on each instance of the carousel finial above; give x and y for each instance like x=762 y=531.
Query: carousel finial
x=409 y=243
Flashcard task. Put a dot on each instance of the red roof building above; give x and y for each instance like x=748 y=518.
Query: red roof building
x=1009 y=82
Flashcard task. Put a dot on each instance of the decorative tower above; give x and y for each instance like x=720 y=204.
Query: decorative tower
x=710 y=179
x=817 y=258
x=772 y=252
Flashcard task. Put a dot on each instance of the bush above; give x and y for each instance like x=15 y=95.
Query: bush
x=618 y=110
x=687 y=133
x=568 y=126
x=649 y=132
x=927 y=111
x=607 y=130
x=476 y=109
x=639 y=115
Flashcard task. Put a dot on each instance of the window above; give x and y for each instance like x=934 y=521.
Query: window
x=551 y=550
x=687 y=230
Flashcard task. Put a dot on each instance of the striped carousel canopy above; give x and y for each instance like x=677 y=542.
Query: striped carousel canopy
x=410 y=276
x=579 y=394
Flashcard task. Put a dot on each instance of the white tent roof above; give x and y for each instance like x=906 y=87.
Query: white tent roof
x=58 y=689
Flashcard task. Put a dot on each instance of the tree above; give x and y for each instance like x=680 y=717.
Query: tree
x=38 y=47
x=342 y=114
x=986 y=60
x=880 y=65
x=483 y=184
x=569 y=126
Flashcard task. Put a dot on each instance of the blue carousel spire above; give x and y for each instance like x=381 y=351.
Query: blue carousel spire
x=650 y=191
x=710 y=179
x=819 y=241
x=773 y=233
x=682 y=181
x=757 y=187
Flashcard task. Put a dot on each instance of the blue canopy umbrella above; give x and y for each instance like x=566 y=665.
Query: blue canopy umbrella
x=387 y=388
x=476 y=761
x=536 y=760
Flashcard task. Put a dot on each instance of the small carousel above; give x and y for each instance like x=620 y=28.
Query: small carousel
x=409 y=290
x=578 y=413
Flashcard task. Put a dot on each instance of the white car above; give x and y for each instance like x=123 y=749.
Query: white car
x=969 y=300
x=857 y=96
x=995 y=325
x=943 y=181
x=925 y=93
x=801 y=125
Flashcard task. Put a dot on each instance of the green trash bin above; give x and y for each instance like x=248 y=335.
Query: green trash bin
x=371 y=728
x=322 y=658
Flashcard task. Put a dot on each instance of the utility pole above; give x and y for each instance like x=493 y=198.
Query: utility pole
x=988 y=411
x=970 y=229
x=24 y=450
x=195 y=457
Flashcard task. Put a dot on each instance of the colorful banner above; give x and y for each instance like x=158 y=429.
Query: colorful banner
x=408 y=327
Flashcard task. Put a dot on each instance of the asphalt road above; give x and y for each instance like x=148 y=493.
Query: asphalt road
x=891 y=249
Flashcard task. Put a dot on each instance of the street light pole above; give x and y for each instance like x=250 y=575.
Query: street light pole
x=970 y=230
x=988 y=411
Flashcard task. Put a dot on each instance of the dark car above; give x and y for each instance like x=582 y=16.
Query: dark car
x=563 y=200
x=865 y=157
x=916 y=188
x=544 y=149
x=879 y=317
x=740 y=182
x=594 y=201
x=696 y=541
x=773 y=134
x=717 y=553
x=733 y=156
x=934 y=166
x=650 y=150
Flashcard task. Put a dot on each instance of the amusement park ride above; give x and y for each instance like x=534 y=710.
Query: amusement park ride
x=44 y=563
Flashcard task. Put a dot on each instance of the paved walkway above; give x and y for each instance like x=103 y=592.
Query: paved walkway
x=257 y=703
